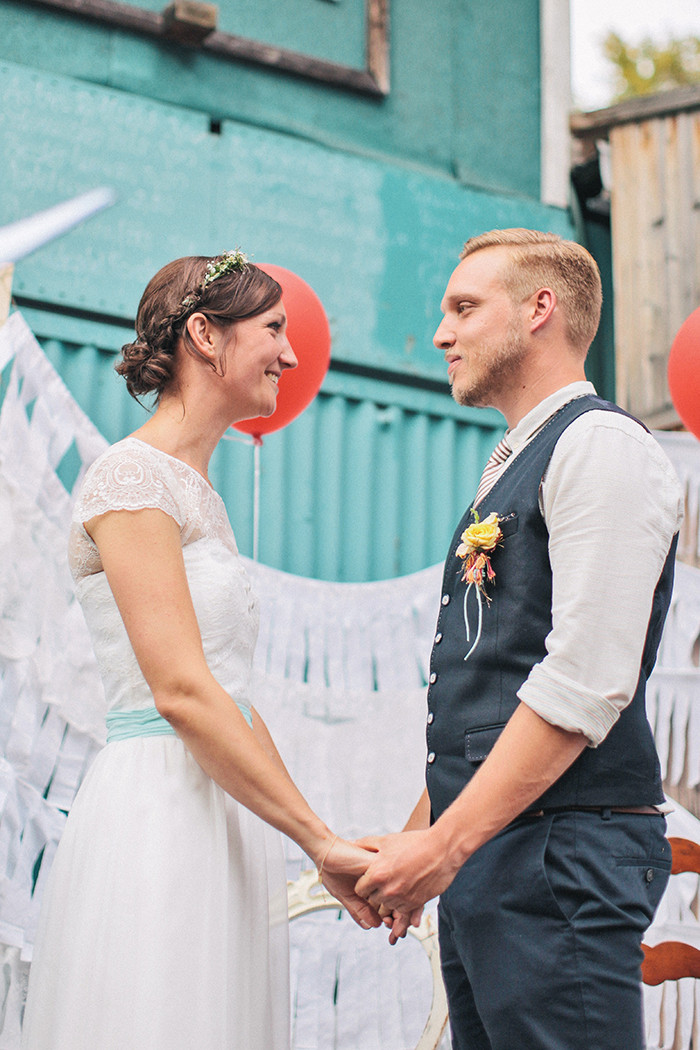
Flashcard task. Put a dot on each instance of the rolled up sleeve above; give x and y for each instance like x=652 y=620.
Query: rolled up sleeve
x=612 y=504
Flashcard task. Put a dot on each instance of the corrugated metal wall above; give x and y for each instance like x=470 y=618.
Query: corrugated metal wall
x=368 y=483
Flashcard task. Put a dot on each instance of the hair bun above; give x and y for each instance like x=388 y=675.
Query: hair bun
x=145 y=371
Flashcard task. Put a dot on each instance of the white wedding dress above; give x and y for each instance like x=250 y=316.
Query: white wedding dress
x=164 y=923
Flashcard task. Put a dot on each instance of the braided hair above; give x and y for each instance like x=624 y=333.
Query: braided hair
x=178 y=290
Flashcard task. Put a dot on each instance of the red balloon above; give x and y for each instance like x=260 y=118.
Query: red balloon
x=309 y=333
x=684 y=372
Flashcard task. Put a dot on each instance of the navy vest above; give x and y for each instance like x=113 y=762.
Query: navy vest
x=470 y=702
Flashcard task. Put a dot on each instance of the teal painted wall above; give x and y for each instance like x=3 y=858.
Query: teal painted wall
x=376 y=241
x=368 y=200
x=464 y=97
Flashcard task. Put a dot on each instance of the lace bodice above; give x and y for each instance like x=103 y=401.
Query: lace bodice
x=132 y=475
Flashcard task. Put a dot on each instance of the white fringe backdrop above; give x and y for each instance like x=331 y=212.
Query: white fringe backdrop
x=340 y=677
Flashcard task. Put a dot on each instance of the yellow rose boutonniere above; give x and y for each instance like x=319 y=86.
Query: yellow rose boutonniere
x=479 y=540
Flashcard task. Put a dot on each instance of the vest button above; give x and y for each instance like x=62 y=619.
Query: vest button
x=431 y=757
x=438 y=638
x=433 y=678
x=649 y=875
x=445 y=599
x=431 y=716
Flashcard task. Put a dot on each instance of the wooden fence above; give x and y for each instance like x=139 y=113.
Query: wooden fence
x=654 y=186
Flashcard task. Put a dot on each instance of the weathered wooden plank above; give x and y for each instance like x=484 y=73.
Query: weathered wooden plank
x=635 y=110
x=688 y=212
x=694 y=218
x=655 y=249
x=656 y=254
x=378 y=43
x=623 y=197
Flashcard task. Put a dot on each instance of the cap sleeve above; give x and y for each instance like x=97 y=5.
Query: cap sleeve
x=131 y=477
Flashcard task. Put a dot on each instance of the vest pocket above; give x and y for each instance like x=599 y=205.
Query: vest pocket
x=478 y=742
x=509 y=524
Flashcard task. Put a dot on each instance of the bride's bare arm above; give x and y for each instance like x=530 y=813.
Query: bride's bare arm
x=265 y=740
x=142 y=559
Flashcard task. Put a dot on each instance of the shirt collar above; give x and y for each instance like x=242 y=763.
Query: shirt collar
x=538 y=416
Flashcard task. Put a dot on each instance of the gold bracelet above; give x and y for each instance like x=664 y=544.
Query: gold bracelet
x=325 y=857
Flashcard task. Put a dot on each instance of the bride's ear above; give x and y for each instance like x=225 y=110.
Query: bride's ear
x=205 y=337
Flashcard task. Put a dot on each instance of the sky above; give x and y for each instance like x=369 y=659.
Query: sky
x=591 y=20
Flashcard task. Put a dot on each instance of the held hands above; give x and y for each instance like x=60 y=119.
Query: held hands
x=408 y=869
x=387 y=879
x=398 y=922
x=339 y=868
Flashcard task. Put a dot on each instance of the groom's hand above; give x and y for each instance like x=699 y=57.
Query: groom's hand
x=408 y=869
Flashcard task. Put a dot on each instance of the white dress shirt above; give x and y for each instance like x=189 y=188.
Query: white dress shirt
x=612 y=504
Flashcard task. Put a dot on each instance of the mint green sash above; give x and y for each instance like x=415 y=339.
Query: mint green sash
x=124 y=725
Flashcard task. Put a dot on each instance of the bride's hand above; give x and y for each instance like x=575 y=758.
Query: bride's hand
x=398 y=922
x=340 y=866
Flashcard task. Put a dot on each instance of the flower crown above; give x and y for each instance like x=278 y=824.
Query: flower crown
x=227 y=262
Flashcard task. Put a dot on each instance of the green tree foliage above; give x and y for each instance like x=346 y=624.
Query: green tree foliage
x=647 y=67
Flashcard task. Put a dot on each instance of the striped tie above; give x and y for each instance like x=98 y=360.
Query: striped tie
x=495 y=461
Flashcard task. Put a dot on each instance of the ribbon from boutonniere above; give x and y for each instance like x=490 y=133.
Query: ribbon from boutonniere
x=478 y=542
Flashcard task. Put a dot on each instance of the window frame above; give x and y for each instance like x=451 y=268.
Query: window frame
x=374 y=79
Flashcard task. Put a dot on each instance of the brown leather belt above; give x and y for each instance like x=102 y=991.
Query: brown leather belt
x=602 y=810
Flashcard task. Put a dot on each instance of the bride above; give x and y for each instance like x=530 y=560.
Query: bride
x=163 y=924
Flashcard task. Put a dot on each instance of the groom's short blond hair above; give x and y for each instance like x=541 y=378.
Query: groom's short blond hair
x=546 y=260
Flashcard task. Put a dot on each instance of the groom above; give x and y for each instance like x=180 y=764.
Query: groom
x=540 y=827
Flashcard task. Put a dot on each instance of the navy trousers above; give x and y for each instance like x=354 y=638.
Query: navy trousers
x=540 y=933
